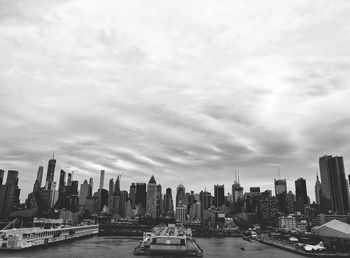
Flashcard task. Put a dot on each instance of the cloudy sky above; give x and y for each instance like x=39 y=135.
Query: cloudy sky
x=190 y=91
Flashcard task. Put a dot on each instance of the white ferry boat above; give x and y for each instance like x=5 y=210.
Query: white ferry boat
x=169 y=240
x=20 y=238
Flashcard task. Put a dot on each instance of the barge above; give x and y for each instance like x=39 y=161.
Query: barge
x=23 y=238
x=169 y=239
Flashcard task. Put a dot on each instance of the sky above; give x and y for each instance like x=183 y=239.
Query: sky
x=187 y=91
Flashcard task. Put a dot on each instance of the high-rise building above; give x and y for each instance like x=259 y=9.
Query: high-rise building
x=132 y=195
x=280 y=186
x=91 y=183
x=301 y=194
x=159 y=200
x=141 y=195
x=219 y=195
x=62 y=181
x=111 y=187
x=9 y=194
x=50 y=174
x=254 y=191
x=2 y=172
x=102 y=179
x=180 y=195
x=335 y=190
x=39 y=175
x=237 y=191
x=117 y=186
x=181 y=213
x=69 y=179
x=123 y=202
x=151 y=206
x=318 y=189
x=281 y=194
x=168 y=201
x=85 y=192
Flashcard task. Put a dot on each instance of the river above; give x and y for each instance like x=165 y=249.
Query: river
x=123 y=247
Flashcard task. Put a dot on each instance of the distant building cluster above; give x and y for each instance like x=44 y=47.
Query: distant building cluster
x=283 y=209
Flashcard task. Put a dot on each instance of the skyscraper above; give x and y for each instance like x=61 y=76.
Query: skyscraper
x=91 y=183
x=39 y=175
x=301 y=194
x=180 y=195
x=151 y=206
x=281 y=194
x=117 y=186
x=50 y=174
x=85 y=192
x=9 y=194
x=318 y=189
x=159 y=200
x=335 y=191
x=280 y=186
x=102 y=179
x=219 y=195
x=237 y=191
x=168 y=201
x=111 y=187
x=2 y=172
x=132 y=195
x=141 y=195
x=62 y=180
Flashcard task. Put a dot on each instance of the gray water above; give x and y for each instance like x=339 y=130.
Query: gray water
x=124 y=247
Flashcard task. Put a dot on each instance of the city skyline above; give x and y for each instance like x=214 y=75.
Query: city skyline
x=183 y=91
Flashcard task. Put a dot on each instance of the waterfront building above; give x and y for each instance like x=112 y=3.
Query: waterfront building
x=318 y=189
x=180 y=195
x=219 y=195
x=102 y=179
x=288 y=222
x=132 y=195
x=151 y=205
x=50 y=174
x=335 y=190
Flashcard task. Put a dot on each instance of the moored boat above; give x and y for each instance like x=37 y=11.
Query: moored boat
x=21 y=238
x=169 y=240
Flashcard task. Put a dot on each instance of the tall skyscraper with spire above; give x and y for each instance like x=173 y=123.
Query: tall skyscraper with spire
x=151 y=205
x=318 y=189
x=335 y=190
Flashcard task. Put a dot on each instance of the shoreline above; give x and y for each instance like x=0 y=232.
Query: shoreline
x=303 y=253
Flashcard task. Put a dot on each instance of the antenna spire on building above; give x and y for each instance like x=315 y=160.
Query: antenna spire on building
x=53 y=155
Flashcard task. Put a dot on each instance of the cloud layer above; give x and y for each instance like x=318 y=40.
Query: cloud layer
x=189 y=91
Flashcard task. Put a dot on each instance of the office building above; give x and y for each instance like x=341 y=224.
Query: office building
x=335 y=190
x=102 y=179
x=151 y=206
x=219 y=195
x=50 y=174
x=180 y=195
x=318 y=189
